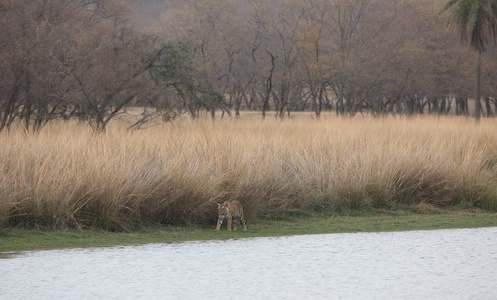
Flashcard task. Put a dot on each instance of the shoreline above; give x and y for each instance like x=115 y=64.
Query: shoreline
x=13 y=240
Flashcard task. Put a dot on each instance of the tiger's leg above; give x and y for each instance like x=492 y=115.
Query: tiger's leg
x=242 y=221
x=219 y=223
x=230 y=220
x=234 y=223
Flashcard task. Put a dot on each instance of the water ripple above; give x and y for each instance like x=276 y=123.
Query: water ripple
x=440 y=264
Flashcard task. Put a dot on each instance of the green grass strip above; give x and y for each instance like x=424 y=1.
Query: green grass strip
x=18 y=239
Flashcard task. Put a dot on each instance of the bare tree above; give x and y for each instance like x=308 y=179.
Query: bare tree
x=34 y=36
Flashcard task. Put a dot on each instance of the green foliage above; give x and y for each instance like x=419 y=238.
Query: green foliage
x=173 y=65
x=476 y=20
x=478 y=196
x=175 y=71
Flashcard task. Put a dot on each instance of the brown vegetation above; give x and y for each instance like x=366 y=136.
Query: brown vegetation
x=177 y=173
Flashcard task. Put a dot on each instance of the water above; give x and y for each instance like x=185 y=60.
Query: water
x=441 y=264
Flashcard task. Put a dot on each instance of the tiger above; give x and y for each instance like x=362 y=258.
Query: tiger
x=230 y=210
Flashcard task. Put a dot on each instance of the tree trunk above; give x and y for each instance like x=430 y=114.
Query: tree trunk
x=488 y=107
x=477 y=85
x=341 y=108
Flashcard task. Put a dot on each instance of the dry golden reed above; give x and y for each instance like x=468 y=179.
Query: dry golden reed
x=175 y=173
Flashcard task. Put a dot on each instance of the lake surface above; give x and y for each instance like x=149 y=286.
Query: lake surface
x=440 y=264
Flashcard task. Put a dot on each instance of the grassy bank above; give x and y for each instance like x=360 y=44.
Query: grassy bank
x=314 y=223
x=175 y=174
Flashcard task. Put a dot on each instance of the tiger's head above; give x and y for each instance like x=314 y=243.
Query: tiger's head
x=223 y=209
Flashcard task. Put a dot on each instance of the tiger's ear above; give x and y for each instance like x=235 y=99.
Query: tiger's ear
x=218 y=205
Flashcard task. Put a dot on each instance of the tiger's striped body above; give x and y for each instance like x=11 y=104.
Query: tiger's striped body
x=231 y=210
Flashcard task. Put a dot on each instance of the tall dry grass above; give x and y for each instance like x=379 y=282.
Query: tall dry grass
x=176 y=173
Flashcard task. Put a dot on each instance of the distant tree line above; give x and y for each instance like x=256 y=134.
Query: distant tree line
x=62 y=59
x=361 y=56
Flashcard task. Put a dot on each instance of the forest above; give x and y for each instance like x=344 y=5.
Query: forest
x=93 y=59
x=319 y=106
